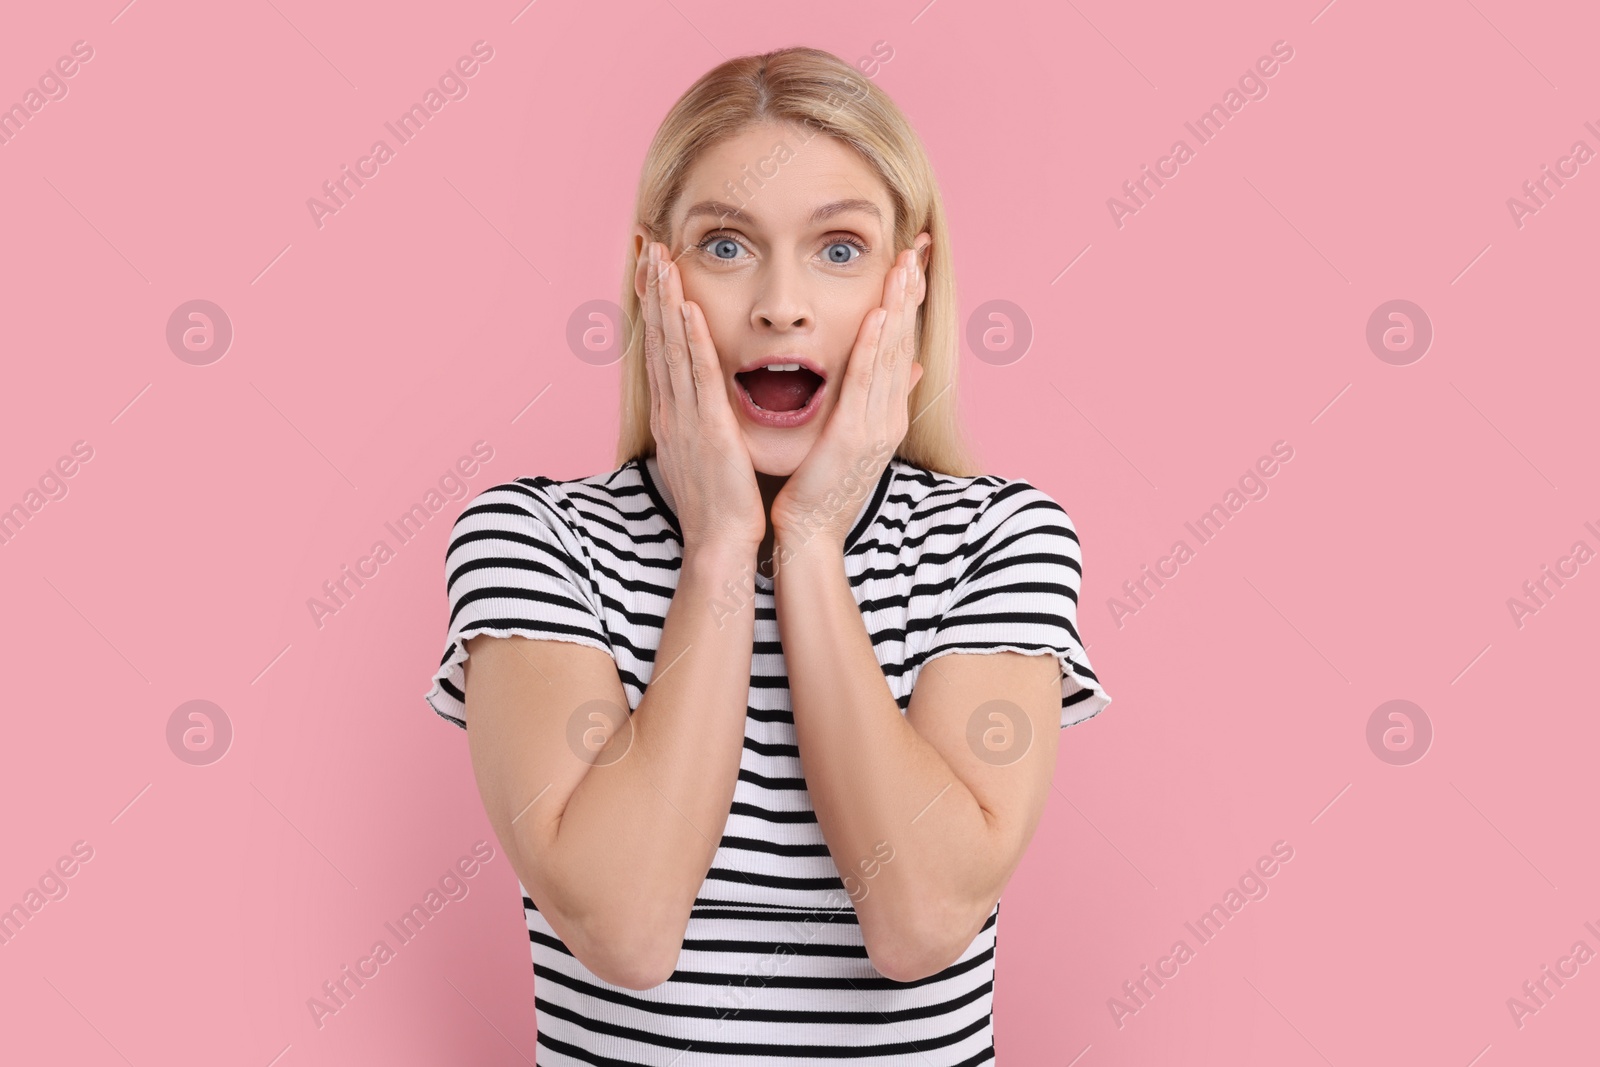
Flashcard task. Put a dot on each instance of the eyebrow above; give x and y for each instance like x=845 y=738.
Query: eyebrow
x=719 y=210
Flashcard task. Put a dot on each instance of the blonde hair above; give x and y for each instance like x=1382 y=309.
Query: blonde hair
x=824 y=94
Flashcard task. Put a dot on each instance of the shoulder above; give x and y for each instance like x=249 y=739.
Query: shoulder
x=979 y=505
x=577 y=506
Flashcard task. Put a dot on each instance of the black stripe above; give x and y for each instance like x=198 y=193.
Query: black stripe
x=871 y=514
x=937 y=564
x=759 y=1048
x=643 y=470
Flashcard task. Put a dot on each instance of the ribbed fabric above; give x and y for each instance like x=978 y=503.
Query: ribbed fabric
x=773 y=971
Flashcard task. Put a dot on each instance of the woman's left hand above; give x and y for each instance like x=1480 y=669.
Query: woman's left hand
x=867 y=423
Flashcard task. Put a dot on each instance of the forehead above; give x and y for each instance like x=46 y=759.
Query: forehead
x=780 y=180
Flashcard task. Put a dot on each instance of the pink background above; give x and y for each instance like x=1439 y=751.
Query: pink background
x=1229 y=313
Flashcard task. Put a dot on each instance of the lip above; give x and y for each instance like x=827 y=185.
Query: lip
x=785 y=357
x=781 y=420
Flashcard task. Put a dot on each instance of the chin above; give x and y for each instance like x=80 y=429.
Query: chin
x=779 y=458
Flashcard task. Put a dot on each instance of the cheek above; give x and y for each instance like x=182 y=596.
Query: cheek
x=723 y=324
x=724 y=338
x=842 y=319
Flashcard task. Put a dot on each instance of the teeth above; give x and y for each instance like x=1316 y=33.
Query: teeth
x=771 y=366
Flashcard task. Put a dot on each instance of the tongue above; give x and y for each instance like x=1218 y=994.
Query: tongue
x=780 y=390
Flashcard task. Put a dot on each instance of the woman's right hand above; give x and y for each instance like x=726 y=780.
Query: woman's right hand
x=699 y=446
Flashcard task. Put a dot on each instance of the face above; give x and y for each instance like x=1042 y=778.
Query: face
x=785 y=272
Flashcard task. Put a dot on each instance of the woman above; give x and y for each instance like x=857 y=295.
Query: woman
x=753 y=821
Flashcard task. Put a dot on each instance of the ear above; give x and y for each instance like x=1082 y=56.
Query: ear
x=641 y=262
x=916 y=376
x=924 y=246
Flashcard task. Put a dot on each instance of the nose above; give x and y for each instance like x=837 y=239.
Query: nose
x=781 y=303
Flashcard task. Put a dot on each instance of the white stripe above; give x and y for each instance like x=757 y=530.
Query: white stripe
x=966 y=540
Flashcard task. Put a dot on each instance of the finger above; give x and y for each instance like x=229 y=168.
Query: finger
x=703 y=357
x=646 y=348
x=655 y=336
x=885 y=378
x=687 y=376
x=863 y=369
x=904 y=382
x=903 y=370
x=854 y=396
x=905 y=338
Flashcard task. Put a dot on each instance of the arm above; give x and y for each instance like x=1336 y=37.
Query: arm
x=958 y=824
x=613 y=845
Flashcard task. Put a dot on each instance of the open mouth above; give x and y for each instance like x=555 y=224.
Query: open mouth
x=780 y=386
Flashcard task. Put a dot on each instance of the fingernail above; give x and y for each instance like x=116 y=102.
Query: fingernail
x=685 y=309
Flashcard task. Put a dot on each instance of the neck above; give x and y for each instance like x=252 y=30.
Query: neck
x=771 y=485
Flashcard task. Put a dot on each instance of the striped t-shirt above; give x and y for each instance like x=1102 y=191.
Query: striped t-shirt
x=773 y=970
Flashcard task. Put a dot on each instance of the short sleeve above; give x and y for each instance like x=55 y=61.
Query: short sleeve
x=1018 y=592
x=514 y=566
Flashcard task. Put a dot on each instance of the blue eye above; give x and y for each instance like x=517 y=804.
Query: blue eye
x=716 y=243
x=845 y=243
